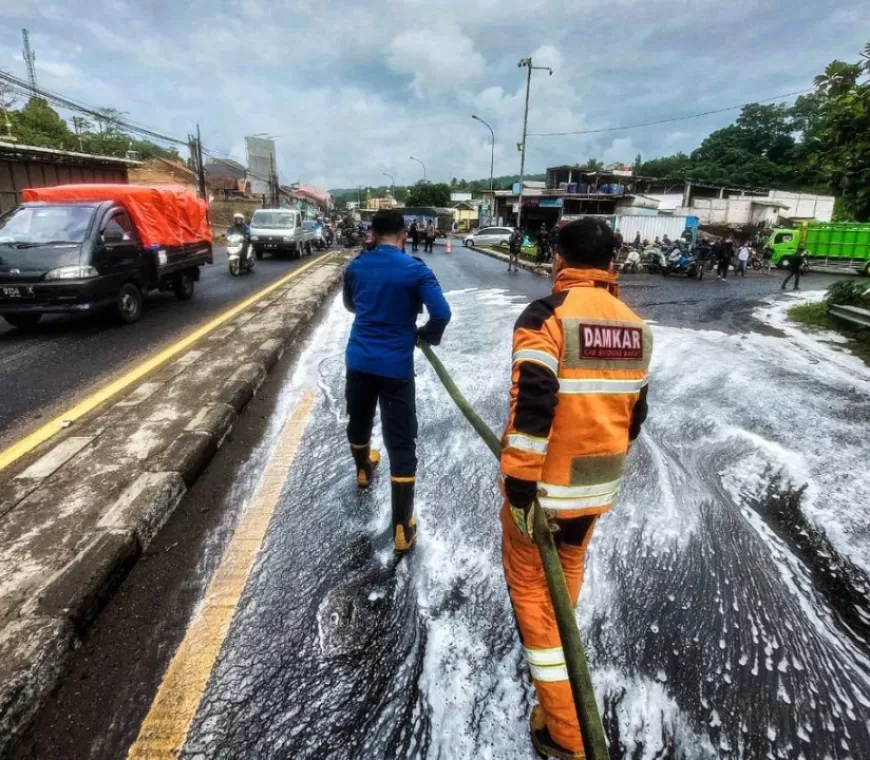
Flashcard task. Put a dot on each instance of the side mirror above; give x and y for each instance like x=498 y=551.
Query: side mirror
x=113 y=236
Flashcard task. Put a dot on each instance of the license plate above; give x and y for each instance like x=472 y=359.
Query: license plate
x=15 y=291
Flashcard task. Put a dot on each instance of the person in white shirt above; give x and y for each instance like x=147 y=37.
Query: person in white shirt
x=743 y=259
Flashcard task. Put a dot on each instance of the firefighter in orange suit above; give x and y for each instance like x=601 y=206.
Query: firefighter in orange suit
x=578 y=400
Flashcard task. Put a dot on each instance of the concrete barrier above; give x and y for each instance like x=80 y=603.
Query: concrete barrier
x=74 y=522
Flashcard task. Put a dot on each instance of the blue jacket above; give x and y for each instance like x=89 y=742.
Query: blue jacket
x=386 y=290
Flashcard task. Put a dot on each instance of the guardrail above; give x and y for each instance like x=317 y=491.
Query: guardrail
x=854 y=314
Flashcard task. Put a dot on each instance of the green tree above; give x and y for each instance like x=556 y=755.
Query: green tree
x=39 y=124
x=428 y=194
x=842 y=152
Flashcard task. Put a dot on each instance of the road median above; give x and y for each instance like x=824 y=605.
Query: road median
x=542 y=270
x=75 y=520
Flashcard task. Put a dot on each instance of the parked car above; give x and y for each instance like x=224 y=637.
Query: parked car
x=280 y=231
x=317 y=230
x=74 y=249
x=488 y=236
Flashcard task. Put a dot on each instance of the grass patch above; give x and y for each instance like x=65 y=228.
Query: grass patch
x=812 y=315
x=816 y=317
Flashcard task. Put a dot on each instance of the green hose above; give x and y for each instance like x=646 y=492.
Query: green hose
x=591 y=728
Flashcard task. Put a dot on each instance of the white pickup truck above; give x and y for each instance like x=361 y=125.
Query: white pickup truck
x=280 y=231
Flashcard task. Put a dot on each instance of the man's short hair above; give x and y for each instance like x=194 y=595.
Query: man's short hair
x=388 y=223
x=587 y=243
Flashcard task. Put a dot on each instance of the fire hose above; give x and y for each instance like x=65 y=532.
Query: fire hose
x=582 y=689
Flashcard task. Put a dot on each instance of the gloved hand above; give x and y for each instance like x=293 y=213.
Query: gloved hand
x=522 y=496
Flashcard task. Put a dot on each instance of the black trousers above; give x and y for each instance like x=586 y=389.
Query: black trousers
x=428 y=245
x=796 y=273
x=415 y=243
x=397 y=399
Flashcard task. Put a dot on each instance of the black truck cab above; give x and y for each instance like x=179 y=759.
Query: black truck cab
x=77 y=257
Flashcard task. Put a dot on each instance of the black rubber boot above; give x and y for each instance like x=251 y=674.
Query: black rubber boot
x=543 y=743
x=367 y=460
x=404 y=524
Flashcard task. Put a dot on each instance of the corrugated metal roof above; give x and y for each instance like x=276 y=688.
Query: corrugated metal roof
x=36 y=150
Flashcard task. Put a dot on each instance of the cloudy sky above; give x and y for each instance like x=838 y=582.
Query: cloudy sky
x=353 y=88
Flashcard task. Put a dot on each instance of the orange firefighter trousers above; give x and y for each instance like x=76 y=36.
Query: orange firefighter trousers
x=536 y=620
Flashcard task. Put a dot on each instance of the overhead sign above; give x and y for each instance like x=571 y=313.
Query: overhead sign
x=516 y=188
x=550 y=203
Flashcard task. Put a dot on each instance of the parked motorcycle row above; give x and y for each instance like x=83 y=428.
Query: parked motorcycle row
x=670 y=258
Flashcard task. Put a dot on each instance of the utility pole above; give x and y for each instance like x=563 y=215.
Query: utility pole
x=527 y=62
x=200 y=166
x=30 y=61
x=491 y=165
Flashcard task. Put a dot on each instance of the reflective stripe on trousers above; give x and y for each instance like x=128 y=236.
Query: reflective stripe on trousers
x=547 y=665
x=578 y=497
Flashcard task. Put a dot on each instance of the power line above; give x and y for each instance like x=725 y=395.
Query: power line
x=64 y=102
x=667 y=121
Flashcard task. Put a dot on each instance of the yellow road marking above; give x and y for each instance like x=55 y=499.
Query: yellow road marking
x=52 y=428
x=164 y=730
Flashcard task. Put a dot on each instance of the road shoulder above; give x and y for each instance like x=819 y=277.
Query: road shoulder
x=73 y=522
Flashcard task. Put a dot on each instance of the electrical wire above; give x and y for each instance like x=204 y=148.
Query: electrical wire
x=24 y=87
x=667 y=121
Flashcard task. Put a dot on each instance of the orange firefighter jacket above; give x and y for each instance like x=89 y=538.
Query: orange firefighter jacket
x=578 y=397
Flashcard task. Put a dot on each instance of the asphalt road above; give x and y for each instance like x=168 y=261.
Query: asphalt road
x=46 y=370
x=723 y=609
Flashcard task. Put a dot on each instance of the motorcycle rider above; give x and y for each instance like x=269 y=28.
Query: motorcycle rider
x=241 y=227
x=577 y=401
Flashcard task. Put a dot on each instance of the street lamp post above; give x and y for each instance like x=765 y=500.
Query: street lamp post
x=527 y=63
x=421 y=164
x=491 y=164
x=392 y=184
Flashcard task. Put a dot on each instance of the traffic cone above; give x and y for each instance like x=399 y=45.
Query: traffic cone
x=449 y=246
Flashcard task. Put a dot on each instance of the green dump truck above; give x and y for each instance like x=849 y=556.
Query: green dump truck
x=835 y=245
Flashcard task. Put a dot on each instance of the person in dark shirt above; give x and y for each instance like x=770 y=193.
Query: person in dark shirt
x=385 y=290
x=795 y=263
x=515 y=247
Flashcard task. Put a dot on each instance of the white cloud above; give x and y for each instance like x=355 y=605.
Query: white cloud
x=436 y=58
x=334 y=79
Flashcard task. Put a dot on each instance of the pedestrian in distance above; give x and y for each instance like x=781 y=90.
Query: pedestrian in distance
x=552 y=241
x=766 y=259
x=542 y=242
x=386 y=290
x=743 y=256
x=570 y=425
x=617 y=244
x=515 y=247
x=637 y=241
x=795 y=264
x=414 y=233
x=430 y=238
x=723 y=261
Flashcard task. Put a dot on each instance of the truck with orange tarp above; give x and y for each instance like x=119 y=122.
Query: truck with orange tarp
x=78 y=248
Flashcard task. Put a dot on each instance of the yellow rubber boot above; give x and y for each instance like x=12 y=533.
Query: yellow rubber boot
x=404 y=524
x=367 y=460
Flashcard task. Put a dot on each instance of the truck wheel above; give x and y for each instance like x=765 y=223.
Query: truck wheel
x=183 y=286
x=129 y=303
x=23 y=321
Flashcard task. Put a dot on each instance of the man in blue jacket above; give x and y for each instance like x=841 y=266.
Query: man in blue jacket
x=386 y=290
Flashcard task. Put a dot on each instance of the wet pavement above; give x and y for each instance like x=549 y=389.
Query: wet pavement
x=725 y=606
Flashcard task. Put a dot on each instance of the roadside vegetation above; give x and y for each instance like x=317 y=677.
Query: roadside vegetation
x=817 y=316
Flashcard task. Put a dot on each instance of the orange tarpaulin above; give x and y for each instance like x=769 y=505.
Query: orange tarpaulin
x=167 y=215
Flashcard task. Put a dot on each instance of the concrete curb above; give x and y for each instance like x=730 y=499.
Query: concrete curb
x=542 y=271
x=37 y=640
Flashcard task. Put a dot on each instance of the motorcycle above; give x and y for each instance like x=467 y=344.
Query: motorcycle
x=328 y=235
x=350 y=238
x=680 y=262
x=631 y=265
x=654 y=260
x=239 y=256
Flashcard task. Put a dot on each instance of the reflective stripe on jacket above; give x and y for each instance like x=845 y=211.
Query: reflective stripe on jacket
x=578 y=396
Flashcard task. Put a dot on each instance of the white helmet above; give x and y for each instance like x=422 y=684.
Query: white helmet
x=238 y=215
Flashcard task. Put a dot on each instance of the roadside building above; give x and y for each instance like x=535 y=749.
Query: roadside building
x=466 y=214
x=162 y=171
x=309 y=200
x=24 y=166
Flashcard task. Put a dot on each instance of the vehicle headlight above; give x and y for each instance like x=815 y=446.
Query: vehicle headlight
x=255 y=237
x=72 y=273
x=288 y=238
